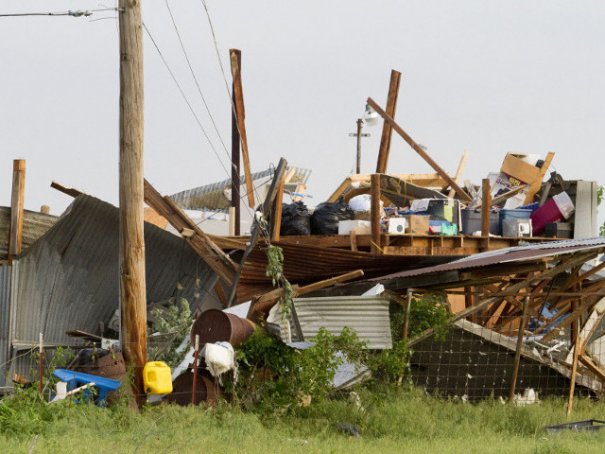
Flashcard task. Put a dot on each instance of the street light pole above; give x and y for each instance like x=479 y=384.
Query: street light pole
x=359 y=135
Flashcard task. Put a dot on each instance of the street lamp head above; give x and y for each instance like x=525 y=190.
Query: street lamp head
x=370 y=116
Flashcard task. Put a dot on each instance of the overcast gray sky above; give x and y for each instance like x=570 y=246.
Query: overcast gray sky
x=488 y=77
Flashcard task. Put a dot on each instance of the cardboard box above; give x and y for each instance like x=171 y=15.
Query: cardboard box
x=417 y=225
x=515 y=167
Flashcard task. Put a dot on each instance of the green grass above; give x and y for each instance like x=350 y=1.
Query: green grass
x=390 y=421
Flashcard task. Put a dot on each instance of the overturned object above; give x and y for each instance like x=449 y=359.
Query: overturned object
x=215 y=326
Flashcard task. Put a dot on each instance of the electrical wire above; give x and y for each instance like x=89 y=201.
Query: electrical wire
x=197 y=84
x=77 y=13
x=182 y=92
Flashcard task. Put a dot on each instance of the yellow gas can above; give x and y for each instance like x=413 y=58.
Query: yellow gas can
x=157 y=378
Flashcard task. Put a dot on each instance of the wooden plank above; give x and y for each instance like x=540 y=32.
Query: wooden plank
x=15 y=239
x=277 y=209
x=375 y=214
x=212 y=255
x=463 y=195
x=574 y=365
x=387 y=130
x=517 y=361
x=268 y=300
x=69 y=191
x=238 y=95
x=485 y=208
x=459 y=171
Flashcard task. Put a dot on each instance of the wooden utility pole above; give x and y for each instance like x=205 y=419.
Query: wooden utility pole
x=235 y=167
x=238 y=98
x=133 y=300
x=17 y=198
x=387 y=130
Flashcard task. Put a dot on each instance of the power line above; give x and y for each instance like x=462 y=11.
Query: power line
x=76 y=13
x=197 y=120
x=197 y=84
x=218 y=54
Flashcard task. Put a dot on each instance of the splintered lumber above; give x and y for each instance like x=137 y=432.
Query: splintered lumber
x=570 y=262
x=574 y=366
x=265 y=302
x=15 y=239
x=486 y=199
x=459 y=171
x=259 y=225
x=387 y=130
x=375 y=213
x=277 y=209
x=65 y=190
x=463 y=195
x=221 y=241
x=238 y=97
x=216 y=259
x=517 y=362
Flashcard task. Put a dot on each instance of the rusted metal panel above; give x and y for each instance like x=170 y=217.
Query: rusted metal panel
x=367 y=315
x=509 y=255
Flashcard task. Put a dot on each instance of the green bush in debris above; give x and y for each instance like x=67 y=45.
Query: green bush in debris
x=171 y=323
x=275 y=377
x=430 y=311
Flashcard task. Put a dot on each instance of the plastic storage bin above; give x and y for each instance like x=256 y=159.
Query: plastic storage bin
x=508 y=215
x=471 y=222
x=157 y=378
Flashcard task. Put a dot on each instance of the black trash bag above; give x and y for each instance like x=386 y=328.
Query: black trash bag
x=326 y=216
x=295 y=219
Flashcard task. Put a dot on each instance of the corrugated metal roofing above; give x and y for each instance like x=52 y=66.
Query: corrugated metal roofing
x=367 y=315
x=214 y=196
x=69 y=279
x=5 y=299
x=508 y=255
x=34 y=226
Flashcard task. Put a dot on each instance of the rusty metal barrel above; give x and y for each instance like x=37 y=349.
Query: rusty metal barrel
x=215 y=326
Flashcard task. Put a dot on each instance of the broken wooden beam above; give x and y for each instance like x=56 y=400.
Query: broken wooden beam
x=387 y=130
x=238 y=97
x=463 y=195
x=265 y=302
x=210 y=253
x=459 y=172
x=15 y=238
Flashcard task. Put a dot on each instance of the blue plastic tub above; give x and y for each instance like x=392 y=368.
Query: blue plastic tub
x=517 y=213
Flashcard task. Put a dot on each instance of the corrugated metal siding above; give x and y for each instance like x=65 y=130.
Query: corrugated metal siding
x=70 y=278
x=367 y=315
x=508 y=255
x=5 y=299
x=34 y=226
x=213 y=196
